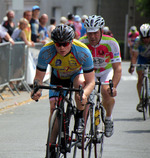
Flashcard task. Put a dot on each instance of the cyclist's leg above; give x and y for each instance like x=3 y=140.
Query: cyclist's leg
x=108 y=103
x=107 y=100
x=140 y=70
x=53 y=95
x=139 y=82
x=78 y=79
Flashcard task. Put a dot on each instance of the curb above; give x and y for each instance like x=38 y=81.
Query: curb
x=11 y=101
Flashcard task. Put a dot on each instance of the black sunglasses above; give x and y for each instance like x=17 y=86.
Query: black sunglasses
x=62 y=44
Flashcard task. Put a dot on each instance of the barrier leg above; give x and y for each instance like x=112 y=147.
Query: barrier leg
x=15 y=88
x=1 y=97
x=11 y=89
x=26 y=86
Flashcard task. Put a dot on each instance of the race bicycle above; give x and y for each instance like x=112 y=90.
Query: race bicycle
x=59 y=129
x=93 y=136
x=144 y=97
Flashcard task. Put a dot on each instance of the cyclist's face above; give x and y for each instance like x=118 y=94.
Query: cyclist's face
x=94 y=37
x=63 y=50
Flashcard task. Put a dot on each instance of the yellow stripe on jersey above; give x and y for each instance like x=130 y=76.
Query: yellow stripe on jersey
x=48 y=44
x=80 y=44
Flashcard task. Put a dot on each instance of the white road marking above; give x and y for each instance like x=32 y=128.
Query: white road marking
x=129 y=78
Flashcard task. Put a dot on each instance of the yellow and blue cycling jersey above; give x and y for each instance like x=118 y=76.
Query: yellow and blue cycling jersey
x=64 y=67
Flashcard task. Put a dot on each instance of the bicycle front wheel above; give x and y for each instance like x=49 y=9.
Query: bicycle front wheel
x=87 y=138
x=54 y=136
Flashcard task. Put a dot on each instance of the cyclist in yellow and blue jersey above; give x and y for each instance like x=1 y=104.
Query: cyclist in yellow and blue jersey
x=71 y=61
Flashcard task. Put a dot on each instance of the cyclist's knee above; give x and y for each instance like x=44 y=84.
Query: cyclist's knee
x=52 y=104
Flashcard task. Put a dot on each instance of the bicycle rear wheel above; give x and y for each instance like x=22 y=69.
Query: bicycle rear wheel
x=144 y=98
x=54 y=136
x=87 y=138
x=99 y=134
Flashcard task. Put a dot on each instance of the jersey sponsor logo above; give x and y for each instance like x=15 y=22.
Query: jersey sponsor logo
x=58 y=62
x=83 y=56
x=116 y=54
x=98 y=61
x=101 y=52
x=46 y=54
x=72 y=63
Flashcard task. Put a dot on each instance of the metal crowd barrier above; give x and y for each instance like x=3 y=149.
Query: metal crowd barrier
x=13 y=64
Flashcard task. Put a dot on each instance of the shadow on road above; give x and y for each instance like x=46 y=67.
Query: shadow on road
x=137 y=119
x=138 y=131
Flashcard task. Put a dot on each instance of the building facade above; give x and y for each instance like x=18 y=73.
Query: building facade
x=119 y=15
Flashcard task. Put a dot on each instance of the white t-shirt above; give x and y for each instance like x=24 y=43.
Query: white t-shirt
x=3 y=32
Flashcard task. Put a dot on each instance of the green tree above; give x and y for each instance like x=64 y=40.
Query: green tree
x=143 y=6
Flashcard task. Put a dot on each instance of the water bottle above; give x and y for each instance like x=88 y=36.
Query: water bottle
x=97 y=124
x=97 y=117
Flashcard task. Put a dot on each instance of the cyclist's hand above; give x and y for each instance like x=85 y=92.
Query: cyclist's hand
x=131 y=69
x=84 y=99
x=113 y=93
x=37 y=95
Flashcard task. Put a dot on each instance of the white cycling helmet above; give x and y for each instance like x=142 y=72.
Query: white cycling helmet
x=145 y=30
x=133 y=29
x=94 y=23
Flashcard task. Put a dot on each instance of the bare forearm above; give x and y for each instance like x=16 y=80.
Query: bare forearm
x=117 y=75
x=89 y=88
x=134 y=58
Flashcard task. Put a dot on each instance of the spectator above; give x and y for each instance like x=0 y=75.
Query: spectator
x=63 y=20
x=9 y=24
x=52 y=26
x=4 y=34
x=43 y=34
x=28 y=15
x=83 y=29
x=106 y=31
x=78 y=25
x=19 y=35
x=70 y=18
x=133 y=33
x=35 y=23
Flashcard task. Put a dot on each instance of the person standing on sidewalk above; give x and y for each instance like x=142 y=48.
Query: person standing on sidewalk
x=35 y=23
x=107 y=63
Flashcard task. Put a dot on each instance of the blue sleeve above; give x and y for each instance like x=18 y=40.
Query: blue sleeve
x=88 y=65
x=45 y=56
x=85 y=58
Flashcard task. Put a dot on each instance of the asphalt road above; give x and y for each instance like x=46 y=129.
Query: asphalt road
x=23 y=130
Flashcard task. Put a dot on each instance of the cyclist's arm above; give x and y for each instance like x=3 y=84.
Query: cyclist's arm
x=117 y=73
x=39 y=79
x=134 y=57
x=89 y=82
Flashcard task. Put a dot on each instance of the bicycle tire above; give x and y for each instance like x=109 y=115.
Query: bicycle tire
x=87 y=138
x=145 y=98
x=56 y=151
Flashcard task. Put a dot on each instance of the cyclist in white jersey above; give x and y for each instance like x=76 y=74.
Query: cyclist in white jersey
x=107 y=63
x=141 y=55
